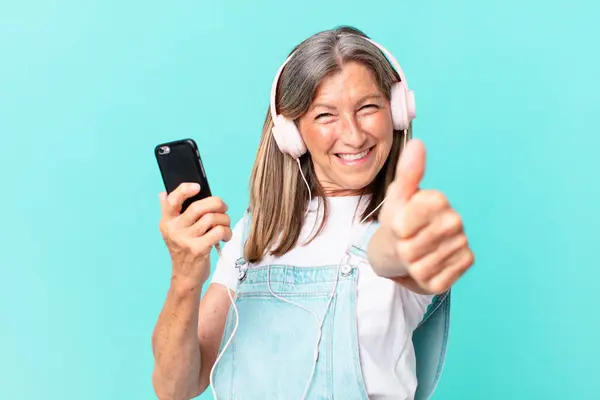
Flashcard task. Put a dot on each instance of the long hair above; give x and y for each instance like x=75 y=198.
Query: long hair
x=278 y=195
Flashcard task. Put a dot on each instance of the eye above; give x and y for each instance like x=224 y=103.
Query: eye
x=323 y=115
x=369 y=107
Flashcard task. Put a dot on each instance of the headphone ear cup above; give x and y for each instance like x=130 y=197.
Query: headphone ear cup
x=402 y=104
x=411 y=108
x=288 y=137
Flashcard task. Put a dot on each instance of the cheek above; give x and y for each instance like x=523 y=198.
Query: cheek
x=379 y=126
x=319 y=138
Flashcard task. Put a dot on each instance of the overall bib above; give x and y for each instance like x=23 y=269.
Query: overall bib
x=280 y=310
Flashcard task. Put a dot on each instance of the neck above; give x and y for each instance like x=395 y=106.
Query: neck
x=333 y=191
x=342 y=193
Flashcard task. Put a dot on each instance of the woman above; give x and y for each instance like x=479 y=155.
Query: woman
x=328 y=284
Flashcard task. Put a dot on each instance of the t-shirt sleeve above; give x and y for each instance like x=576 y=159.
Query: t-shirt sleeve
x=225 y=272
x=415 y=306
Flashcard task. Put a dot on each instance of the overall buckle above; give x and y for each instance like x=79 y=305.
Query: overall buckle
x=242 y=266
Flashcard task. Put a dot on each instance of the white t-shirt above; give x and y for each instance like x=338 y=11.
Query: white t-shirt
x=387 y=313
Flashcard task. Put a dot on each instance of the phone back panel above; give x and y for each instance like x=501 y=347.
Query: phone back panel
x=182 y=163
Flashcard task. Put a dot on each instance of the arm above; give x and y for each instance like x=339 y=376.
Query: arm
x=188 y=330
x=177 y=360
x=213 y=315
x=186 y=340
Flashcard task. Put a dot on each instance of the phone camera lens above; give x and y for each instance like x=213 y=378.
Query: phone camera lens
x=163 y=150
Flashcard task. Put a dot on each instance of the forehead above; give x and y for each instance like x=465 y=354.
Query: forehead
x=354 y=80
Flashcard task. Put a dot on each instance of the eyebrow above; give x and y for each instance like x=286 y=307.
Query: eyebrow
x=321 y=105
x=361 y=100
x=370 y=96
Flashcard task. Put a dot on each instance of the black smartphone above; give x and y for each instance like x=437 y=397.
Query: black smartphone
x=179 y=161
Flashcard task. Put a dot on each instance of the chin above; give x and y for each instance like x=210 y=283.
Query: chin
x=354 y=183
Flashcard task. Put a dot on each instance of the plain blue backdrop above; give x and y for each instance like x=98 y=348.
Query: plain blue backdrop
x=507 y=100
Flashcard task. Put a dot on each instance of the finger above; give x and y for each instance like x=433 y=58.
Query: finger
x=409 y=170
x=217 y=234
x=413 y=249
x=172 y=207
x=201 y=207
x=453 y=271
x=443 y=228
x=209 y=221
x=422 y=210
x=203 y=244
x=162 y=198
x=427 y=267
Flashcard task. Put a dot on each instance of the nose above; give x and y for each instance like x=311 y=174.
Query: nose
x=352 y=133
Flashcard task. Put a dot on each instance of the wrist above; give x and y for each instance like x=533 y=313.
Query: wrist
x=183 y=285
x=382 y=256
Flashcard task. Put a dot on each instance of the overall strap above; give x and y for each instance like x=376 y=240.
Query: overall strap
x=437 y=301
x=359 y=247
x=429 y=338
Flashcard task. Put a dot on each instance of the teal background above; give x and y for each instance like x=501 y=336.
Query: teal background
x=508 y=101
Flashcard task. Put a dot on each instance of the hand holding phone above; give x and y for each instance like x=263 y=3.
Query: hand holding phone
x=192 y=219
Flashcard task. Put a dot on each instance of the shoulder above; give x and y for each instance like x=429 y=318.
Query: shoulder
x=238 y=237
x=225 y=272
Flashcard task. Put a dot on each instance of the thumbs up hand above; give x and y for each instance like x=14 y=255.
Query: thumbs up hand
x=421 y=239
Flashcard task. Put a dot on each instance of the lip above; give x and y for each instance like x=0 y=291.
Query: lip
x=360 y=161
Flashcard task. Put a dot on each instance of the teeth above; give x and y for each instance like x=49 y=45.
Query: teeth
x=352 y=157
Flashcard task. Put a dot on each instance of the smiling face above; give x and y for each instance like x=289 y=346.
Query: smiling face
x=348 y=130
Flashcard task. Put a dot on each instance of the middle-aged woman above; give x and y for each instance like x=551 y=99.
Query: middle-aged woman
x=322 y=284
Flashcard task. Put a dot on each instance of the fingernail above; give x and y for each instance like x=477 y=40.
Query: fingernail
x=194 y=186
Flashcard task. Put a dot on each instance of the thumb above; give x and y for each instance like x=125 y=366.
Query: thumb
x=410 y=170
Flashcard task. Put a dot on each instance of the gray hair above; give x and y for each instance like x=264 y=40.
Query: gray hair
x=323 y=54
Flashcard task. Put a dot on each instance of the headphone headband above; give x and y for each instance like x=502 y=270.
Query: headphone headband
x=286 y=134
x=389 y=56
x=274 y=87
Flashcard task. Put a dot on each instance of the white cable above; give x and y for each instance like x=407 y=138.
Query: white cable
x=286 y=300
x=382 y=201
x=307 y=186
x=320 y=332
x=237 y=320
x=365 y=218
x=320 y=321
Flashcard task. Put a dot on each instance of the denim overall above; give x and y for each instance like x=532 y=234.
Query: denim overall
x=273 y=350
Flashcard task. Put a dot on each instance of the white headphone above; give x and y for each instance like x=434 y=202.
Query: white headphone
x=288 y=137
